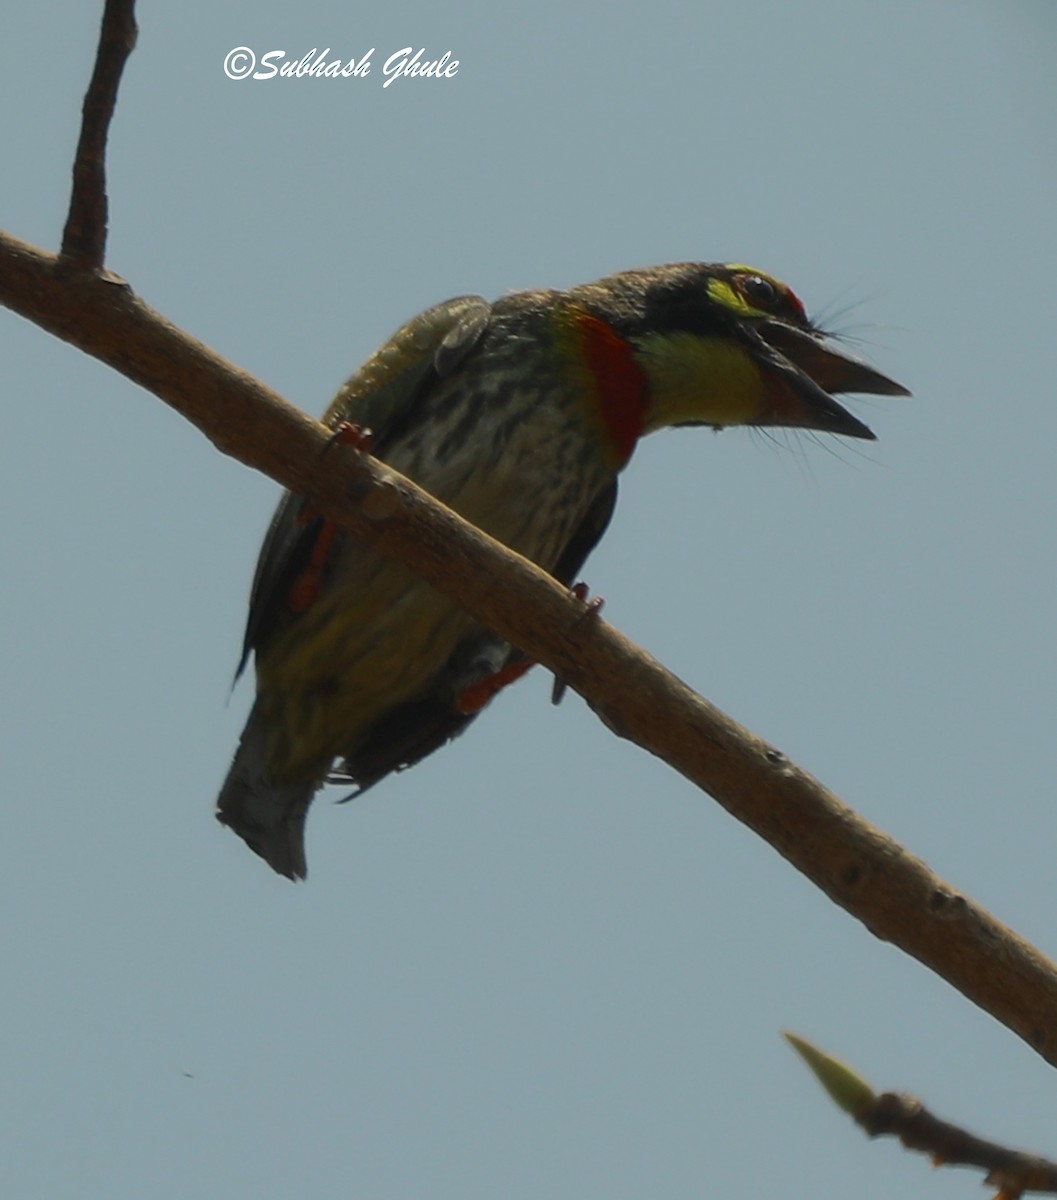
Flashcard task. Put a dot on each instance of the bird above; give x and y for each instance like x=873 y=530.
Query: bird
x=519 y=414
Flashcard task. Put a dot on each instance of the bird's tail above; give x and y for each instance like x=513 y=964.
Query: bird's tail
x=269 y=817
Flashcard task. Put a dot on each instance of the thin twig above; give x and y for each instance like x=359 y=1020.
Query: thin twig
x=897 y=1114
x=1012 y=1171
x=84 y=238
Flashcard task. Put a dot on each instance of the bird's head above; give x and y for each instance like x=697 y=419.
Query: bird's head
x=720 y=344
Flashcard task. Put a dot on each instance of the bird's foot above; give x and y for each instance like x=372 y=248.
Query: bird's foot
x=307 y=585
x=348 y=433
x=592 y=608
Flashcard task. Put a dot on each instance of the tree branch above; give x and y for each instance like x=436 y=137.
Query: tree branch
x=858 y=866
x=84 y=239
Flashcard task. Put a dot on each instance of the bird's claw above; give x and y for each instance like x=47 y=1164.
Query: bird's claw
x=348 y=433
x=592 y=607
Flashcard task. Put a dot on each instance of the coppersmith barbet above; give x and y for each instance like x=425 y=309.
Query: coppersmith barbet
x=519 y=415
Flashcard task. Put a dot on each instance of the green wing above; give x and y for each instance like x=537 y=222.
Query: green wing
x=382 y=396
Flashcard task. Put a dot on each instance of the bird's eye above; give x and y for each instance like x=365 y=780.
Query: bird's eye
x=759 y=292
x=767 y=295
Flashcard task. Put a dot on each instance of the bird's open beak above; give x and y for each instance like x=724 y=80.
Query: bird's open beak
x=802 y=372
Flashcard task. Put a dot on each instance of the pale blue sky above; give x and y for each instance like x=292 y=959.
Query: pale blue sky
x=540 y=965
